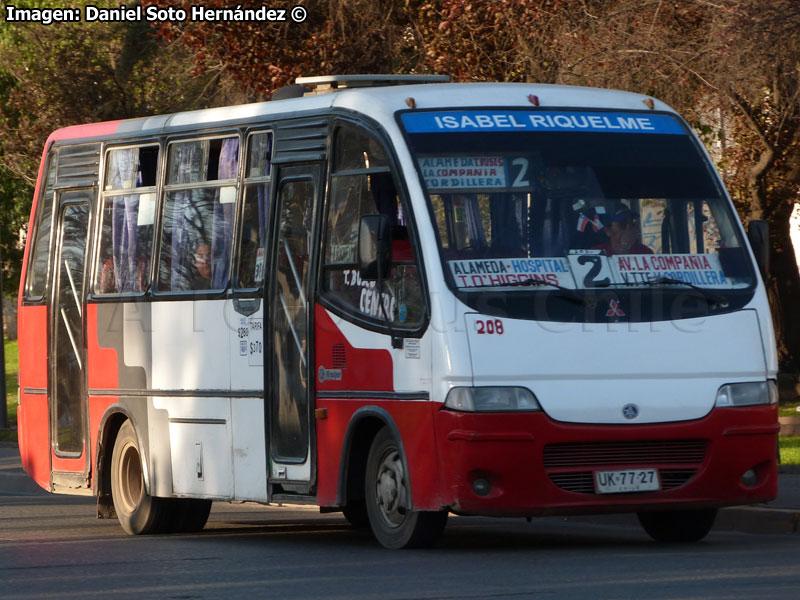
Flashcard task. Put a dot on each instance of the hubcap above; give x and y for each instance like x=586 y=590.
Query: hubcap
x=130 y=474
x=390 y=489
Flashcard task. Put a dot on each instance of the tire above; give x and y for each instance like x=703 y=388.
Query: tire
x=356 y=514
x=187 y=515
x=138 y=512
x=388 y=496
x=678 y=525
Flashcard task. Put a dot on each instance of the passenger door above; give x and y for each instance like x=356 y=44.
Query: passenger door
x=289 y=333
x=68 y=407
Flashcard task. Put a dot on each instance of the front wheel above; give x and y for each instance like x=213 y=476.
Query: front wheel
x=678 y=525
x=388 y=500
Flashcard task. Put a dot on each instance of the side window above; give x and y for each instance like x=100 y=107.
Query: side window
x=704 y=233
x=37 y=267
x=199 y=208
x=686 y=226
x=361 y=184
x=128 y=218
x=255 y=210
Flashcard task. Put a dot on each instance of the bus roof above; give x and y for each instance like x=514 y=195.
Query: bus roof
x=377 y=102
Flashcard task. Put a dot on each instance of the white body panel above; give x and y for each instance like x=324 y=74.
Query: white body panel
x=586 y=372
x=200 y=445
x=217 y=444
x=569 y=371
x=191 y=346
x=249 y=450
x=246 y=334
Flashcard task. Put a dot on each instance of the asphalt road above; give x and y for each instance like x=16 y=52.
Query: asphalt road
x=52 y=547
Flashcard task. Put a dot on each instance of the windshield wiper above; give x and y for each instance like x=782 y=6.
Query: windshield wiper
x=566 y=293
x=708 y=295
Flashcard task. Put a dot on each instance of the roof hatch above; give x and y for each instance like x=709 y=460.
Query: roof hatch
x=330 y=83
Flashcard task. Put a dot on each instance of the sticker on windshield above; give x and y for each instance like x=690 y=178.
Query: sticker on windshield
x=475 y=172
x=541 y=120
x=702 y=270
x=521 y=272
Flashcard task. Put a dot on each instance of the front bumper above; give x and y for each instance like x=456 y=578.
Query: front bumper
x=537 y=466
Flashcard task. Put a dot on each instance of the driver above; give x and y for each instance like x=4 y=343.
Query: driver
x=622 y=229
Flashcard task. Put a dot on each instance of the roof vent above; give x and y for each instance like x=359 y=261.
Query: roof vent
x=331 y=83
x=290 y=91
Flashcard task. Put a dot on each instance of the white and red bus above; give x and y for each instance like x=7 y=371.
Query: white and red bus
x=398 y=298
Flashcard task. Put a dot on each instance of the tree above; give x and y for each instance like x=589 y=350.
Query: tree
x=71 y=73
x=338 y=36
x=729 y=66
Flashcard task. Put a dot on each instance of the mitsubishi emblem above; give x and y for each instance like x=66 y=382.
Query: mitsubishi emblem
x=614 y=310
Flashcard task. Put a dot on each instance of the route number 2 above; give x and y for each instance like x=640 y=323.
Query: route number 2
x=490 y=327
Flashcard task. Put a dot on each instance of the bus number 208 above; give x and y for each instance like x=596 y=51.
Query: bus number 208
x=490 y=326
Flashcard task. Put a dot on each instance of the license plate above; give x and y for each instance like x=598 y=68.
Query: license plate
x=629 y=480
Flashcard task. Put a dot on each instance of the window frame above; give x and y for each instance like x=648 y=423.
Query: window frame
x=98 y=230
x=51 y=163
x=164 y=188
x=373 y=129
x=234 y=282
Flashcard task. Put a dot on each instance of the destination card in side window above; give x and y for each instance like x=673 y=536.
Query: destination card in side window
x=476 y=173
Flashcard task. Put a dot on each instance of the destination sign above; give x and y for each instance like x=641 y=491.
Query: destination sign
x=511 y=271
x=475 y=172
x=702 y=270
x=541 y=120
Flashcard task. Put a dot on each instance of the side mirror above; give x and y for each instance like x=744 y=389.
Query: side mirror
x=374 y=247
x=758 y=234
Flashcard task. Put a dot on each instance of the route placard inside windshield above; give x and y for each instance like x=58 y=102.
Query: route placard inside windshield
x=475 y=173
x=583 y=269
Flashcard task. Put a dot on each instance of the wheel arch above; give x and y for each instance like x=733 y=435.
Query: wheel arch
x=364 y=425
x=112 y=421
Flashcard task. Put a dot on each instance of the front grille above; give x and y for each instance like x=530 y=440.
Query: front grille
x=571 y=465
x=624 y=453
x=582 y=482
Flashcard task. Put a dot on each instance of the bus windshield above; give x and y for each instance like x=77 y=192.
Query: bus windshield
x=533 y=200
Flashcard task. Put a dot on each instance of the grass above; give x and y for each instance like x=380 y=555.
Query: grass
x=790 y=449
x=788 y=409
x=12 y=366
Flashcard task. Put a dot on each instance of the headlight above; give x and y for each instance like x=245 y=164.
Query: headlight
x=491 y=399
x=748 y=394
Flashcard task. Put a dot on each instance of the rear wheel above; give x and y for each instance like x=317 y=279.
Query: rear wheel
x=356 y=514
x=678 y=525
x=138 y=512
x=388 y=500
x=187 y=515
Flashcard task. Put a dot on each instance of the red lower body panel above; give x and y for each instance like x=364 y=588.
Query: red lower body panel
x=537 y=466
x=33 y=419
x=414 y=421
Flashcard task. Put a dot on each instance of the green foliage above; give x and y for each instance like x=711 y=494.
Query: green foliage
x=71 y=73
x=12 y=366
x=15 y=205
x=790 y=450
x=789 y=409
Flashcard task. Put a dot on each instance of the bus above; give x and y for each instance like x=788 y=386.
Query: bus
x=398 y=298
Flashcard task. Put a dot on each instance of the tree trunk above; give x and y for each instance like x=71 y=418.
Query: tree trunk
x=784 y=291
